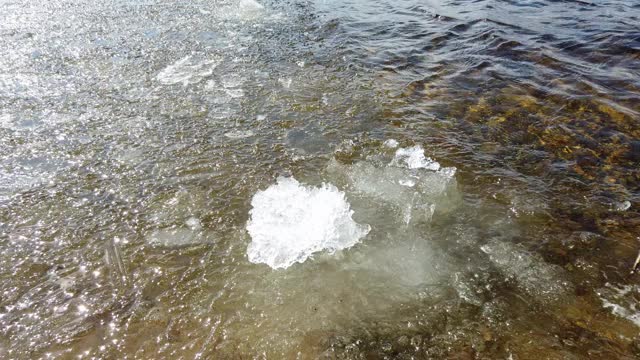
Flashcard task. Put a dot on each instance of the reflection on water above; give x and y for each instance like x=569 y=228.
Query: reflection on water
x=491 y=147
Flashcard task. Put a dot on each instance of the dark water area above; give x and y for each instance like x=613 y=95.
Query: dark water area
x=492 y=148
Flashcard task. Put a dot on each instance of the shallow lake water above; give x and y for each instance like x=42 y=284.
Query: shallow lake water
x=325 y=179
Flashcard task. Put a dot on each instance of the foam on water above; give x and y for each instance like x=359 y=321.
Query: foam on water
x=620 y=300
x=239 y=134
x=290 y=222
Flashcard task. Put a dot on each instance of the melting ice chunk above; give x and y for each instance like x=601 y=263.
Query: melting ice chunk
x=239 y=134
x=391 y=143
x=414 y=158
x=176 y=237
x=250 y=6
x=407 y=182
x=289 y=222
x=542 y=280
x=243 y=10
x=193 y=223
x=412 y=183
x=187 y=71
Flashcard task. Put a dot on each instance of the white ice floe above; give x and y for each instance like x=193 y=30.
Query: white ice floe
x=622 y=206
x=289 y=222
x=414 y=158
x=391 y=143
x=239 y=134
x=242 y=10
x=285 y=82
x=407 y=182
x=193 y=223
x=187 y=71
x=6 y=121
x=234 y=93
x=250 y=6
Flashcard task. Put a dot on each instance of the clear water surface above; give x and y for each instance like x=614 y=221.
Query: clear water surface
x=134 y=136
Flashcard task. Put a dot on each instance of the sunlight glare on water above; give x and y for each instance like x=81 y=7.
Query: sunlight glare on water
x=319 y=179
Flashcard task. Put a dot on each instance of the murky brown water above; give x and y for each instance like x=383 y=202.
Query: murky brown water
x=135 y=134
